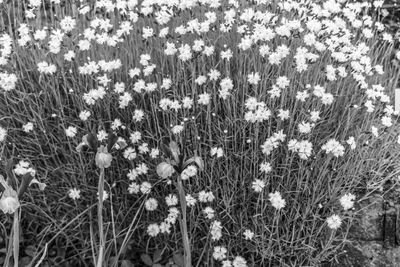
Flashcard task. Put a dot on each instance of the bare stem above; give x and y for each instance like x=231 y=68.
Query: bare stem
x=183 y=224
x=100 y=219
x=16 y=237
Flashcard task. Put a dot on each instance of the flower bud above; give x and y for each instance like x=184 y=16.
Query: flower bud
x=103 y=158
x=165 y=170
x=9 y=199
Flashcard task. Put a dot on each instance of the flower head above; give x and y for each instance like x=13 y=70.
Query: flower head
x=103 y=158
x=347 y=201
x=334 y=221
x=165 y=170
x=276 y=200
x=9 y=202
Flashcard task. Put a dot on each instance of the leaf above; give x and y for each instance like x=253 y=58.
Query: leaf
x=178 y=259
x=26 y=180
x=146 y=259
x=126 y=263
x=92 y=141
x=24 y=261
x=112 y=139
x=175 y=151
x=122 y=144
x=157 y=265
x=199 y=162
x=157 y=256
x=166 y=150
x=30 y=251
x=10 y=174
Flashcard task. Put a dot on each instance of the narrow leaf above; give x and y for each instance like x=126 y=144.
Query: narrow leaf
x=146 y=259
x=92 y=141
x=175 y=151
x=26 y=180
x=126 y=263
x=157 y=256
x=178 y=259
x=200 y=163
x=112 y=139
x=166 y=150
x=10 y=174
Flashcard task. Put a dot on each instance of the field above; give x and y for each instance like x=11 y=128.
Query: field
x=192 y=133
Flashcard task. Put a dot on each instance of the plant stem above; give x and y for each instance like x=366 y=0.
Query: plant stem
x=16 y=237
x=100 y=219
x=183 y=223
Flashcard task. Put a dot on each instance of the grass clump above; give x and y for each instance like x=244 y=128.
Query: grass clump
x=254 y=126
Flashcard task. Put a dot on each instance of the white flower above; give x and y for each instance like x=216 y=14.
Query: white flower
x=248 y=235
x=265 y=167
x=374 y=131
x=190 y=201
x=165 y=227
x=153 y=230
x=334 y=147
x=226 y=263
x=151 y=204
x=165 y=170
x=258 y=185
x=105 y=195
x=314 y=116
x=209 y=212
x=138 y=115
x=84 y=115
x=67 y=24
x=135 y=137
x=386 y=121
x=253 y=78
x=133 y=188
x=23 y=167
x=102 y=135
x=217 y=151
x=351 y=142
x=28 y=127
x=204 y=99
x=276 y=200
x=177 y=129
x=239 y=262
x=304 y=127
x=71 y=131
x=216 y=230
x=154 y=153
x=46 y=68
x=219 y=253
x=283 y=114
x=142 y=168
x=206 y=196
x=171 y=200
x=202 y=79
x=347 y=201
x=334 y=221
x=190 y=171
x=132 y=174
x=145 y=187
x=3 y=134
x=74 y=193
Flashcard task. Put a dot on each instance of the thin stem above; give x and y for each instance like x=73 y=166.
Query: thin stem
x=16 y=238
x=183 y=224
x=100 y=219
